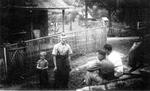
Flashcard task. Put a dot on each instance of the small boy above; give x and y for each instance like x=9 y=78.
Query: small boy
x=42 y=66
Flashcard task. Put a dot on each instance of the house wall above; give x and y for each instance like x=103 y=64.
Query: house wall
x=18 y=24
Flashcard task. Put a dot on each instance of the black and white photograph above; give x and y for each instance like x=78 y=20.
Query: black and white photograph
x=75 y=45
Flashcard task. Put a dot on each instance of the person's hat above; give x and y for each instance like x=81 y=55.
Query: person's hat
x=63 y=35
x=43 y=53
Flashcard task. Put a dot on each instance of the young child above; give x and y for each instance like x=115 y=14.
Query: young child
x=42 y=66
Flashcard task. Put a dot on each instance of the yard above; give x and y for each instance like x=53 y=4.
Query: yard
x=121 y=45
x=87 y=23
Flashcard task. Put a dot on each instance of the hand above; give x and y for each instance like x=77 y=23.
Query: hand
x=55 y=68
x=39 y=68
x=77 y=69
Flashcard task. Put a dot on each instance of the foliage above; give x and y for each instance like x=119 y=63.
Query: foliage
x=75 y=3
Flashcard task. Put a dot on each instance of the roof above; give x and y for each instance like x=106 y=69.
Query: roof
x=42 y=4
x=51 y=4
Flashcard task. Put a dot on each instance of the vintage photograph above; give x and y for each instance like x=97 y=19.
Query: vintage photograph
x=76 y=45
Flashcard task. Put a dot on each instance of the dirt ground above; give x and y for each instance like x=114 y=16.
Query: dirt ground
x=121 y=45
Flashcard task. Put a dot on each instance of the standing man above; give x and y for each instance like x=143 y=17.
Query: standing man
x=61 y=57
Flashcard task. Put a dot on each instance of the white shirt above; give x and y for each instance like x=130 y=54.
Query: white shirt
x=62 y=49
x=115 y=58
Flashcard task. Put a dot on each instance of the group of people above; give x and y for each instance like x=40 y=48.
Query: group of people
x=107 y=66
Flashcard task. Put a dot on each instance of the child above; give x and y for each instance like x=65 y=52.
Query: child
x=42 y=66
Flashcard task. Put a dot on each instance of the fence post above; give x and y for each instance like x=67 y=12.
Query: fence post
x=5 y=61
x=75 y=34
x=86 y=40
x=95 y=39
x=138 y=25
x=63 y=19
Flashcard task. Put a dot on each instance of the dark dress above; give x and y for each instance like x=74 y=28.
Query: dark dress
x=62 y=72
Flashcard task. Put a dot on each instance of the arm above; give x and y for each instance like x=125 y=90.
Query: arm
x=118 y=66
x=37 y=66
x=54 y=53
x=88 y=66
x=69 y=59
x=134 y=46
x=82 y=67
x=46 y=66
x=95 y=67
x=54 y=60
x=69 y=56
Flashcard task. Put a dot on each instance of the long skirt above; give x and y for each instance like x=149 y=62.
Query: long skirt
x=62 y=72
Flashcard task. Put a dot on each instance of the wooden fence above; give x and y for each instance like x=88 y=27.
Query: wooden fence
x=24 y=55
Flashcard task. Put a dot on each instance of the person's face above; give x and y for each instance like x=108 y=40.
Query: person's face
x=42 y=57
x=107 y=51
x=100 y=56
x=63 y=40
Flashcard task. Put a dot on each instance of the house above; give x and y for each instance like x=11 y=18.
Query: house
x=20 y=18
